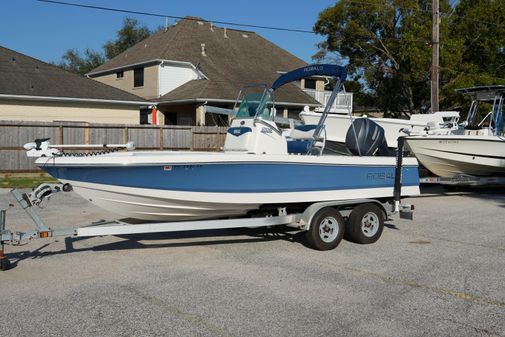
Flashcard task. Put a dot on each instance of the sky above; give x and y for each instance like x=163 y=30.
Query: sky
x=46 y=31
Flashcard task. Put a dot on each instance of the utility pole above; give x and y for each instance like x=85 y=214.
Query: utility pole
x=435 y=56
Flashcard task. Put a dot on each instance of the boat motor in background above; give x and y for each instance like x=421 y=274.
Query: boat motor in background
x=366 y=138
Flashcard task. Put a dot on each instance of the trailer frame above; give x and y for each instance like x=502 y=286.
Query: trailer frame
x=463 y=180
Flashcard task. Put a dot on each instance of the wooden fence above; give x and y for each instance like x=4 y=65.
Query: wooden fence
x=13 y=135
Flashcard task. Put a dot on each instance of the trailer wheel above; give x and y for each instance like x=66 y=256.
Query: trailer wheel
x=366 y=223
x=326 y=229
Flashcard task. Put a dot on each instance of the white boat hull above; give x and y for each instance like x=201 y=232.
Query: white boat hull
x=157 y=205
x=336 y=125
x=451 y=155
x=164 y=205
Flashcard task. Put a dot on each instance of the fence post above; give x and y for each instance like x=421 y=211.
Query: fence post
x=60 y=134
x=86 y=134
x=125 y=135
x=192 y=147
x=161 y=138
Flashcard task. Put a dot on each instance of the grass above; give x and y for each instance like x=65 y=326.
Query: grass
x=24 y=180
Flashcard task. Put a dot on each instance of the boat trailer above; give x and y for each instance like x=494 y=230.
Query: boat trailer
x=464 y=180
x=324 y=222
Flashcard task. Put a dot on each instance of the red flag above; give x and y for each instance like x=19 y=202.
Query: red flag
x=154 y=116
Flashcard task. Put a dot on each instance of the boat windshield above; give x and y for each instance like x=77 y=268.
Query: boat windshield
x=494 y=118
x=255 y=102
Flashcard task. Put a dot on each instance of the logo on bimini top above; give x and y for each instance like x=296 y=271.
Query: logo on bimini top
x=312 y=68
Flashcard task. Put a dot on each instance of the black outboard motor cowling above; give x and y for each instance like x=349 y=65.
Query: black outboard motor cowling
x=369 y=135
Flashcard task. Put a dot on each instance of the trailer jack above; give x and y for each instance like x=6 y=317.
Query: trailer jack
x=4 y=261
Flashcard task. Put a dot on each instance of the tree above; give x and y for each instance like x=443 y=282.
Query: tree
x=131 y=33
x=74 y=62
x=479 y=28
x=387 y=44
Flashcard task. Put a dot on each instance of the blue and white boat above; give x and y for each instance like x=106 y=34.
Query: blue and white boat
x=258 y=168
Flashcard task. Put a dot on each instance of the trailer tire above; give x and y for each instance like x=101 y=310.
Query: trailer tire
x=5 y=264
x=366 y=224
x=326 y=229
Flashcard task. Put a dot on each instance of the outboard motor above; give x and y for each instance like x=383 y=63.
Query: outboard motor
x=368 y=140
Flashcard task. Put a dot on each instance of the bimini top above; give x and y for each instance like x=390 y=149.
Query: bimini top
x=311 y=70
x=483 y=93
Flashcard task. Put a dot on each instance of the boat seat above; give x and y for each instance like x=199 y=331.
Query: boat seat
x=301 y=138
x=305 y=131
x=298 y=146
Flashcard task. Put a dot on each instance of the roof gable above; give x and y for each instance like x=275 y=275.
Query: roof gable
x=229 y=58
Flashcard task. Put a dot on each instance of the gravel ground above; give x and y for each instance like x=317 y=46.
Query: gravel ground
x=442 y=274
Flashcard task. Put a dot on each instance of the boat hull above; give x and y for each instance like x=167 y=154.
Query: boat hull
x=191 y=186
x=450 y=156
x=336 y=126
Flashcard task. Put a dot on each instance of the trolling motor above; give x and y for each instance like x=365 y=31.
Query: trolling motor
x=42 y=148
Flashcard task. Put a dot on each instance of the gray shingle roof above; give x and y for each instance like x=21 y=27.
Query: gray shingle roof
x=232 y=59
x=207 y=90
x=24 y=75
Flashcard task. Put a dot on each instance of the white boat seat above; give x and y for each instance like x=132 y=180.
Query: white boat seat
x=305 y=131
x=301 y=140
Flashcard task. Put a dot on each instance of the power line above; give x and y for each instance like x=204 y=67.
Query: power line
x=293 y=30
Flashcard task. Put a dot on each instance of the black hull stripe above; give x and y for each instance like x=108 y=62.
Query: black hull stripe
x=467 y=154
x=499 y=139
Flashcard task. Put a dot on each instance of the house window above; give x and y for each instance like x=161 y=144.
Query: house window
x=310 y=84
x=144 y=115
x=119 y=74
x=293 y=114
x=138 y=77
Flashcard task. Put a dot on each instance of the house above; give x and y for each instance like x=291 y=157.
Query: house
x=195 y=64
x=32 y=90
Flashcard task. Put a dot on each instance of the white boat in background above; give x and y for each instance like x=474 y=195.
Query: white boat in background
x=337 y=124
x=258 y=169
x=475 y=148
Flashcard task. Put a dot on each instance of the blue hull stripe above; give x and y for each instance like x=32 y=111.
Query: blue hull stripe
x=239 y=178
